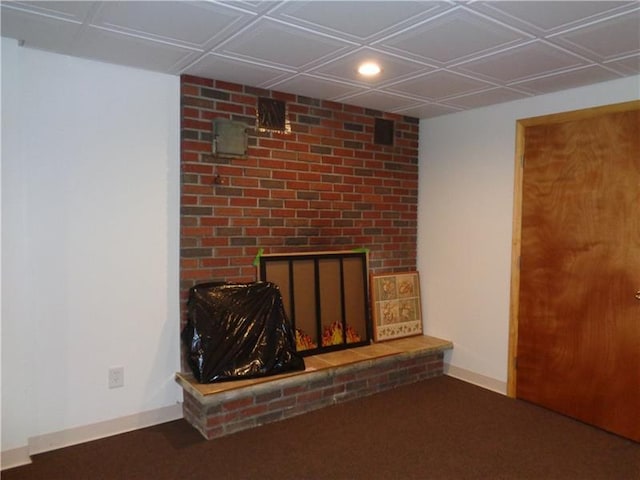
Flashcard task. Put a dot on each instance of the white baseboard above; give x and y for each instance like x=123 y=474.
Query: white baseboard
x=14 y=458
x=476 y=379
x=87 y=433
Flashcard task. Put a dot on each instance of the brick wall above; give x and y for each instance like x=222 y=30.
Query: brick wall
x=325 y=186
x=224 y=413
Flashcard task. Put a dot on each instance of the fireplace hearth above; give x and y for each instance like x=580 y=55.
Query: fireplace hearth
x=219 y=409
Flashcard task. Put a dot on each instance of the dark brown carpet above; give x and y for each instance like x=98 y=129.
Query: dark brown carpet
x=441 y=428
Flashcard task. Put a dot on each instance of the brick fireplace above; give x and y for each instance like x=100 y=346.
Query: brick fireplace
x=327 y=185
x=324 y=186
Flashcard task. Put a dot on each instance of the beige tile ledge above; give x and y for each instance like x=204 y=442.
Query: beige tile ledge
x=317 y=367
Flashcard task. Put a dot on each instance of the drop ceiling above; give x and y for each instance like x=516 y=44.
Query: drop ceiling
x=436 y=57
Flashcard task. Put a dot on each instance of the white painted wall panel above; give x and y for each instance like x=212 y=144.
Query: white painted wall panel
x=90 y=199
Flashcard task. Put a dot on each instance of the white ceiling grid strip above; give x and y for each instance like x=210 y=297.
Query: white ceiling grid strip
x=437 y=57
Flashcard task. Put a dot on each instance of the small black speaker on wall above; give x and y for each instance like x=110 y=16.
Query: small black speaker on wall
x=383 y=132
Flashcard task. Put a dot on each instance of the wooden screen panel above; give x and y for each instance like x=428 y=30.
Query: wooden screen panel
x=278 y=273
x=304 y=298
x=330 y=292
x=354 y=285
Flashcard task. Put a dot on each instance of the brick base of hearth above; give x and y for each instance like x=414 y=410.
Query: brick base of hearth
x=220 y=409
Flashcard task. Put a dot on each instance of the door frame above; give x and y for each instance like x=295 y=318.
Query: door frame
x=521 y=126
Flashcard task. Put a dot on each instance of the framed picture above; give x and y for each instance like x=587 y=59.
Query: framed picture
x=395 y=300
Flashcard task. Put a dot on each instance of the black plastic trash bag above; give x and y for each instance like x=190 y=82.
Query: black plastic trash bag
x=238 y=330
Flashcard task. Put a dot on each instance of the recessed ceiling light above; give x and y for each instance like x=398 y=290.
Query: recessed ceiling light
x=369 y=69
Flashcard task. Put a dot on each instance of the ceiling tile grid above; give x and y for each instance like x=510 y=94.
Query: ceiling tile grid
x=437 y=57
x=453 y=36
x=344 y=68
x=356 y=20
x=284 y=45
x=606 y=40
x=196 y=25
x=548 y=17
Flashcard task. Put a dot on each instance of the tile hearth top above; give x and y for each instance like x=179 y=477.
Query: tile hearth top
x=417 y=344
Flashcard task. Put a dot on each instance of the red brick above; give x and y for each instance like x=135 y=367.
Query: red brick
x=322 y=131
x=297 y=108
x=309 y=177
x=309 y=157
x=297 y=146
x=196 y=146
x=308 y=397
x=196 y=231
x=190 y=112
x=196 y=274
x=186 y=79
x=229 y=251
x=221 y=85
x=188 y=263
x=230 y=107
x=271 y=144
x=215 y=262
x=282 y=194
x=189 y=200
x=216 y=420
x=296 y=204
x=244 y=99
x=256 y=212
x=298 y=185
x=256 y=192
x=283 y=154
x=197 y=168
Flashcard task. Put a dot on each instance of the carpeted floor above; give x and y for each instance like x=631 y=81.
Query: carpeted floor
x=441 y=428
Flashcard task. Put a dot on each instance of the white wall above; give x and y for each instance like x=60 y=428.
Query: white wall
x=90 y=242
x=465 y=223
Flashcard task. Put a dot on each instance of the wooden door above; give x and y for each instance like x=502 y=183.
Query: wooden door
x=578 y=315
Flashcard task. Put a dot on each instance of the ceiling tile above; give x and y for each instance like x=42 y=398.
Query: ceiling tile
x=427 y=110
x=440 y=84
x=393 y=68
x=453 y=54
x=606 y=40
x=374 y=99
x=548 y=16
x=73 y=11
x=112 y=47
x=453 y=37
x=572 y=79
x=255 y=6
x=37 y=31
x=338 y=17
x=314 y=87
x=283 y=45
x=522 y=62
x=486 y=97
x=187 y=22
x=627 y=66
x=235 y=71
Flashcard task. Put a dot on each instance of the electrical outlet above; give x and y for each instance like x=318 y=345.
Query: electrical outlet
x=116 y=377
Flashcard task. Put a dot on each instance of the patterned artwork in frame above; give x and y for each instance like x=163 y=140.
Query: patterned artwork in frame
x=395 y=302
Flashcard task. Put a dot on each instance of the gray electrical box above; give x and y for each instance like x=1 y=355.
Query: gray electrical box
x=229 y=137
